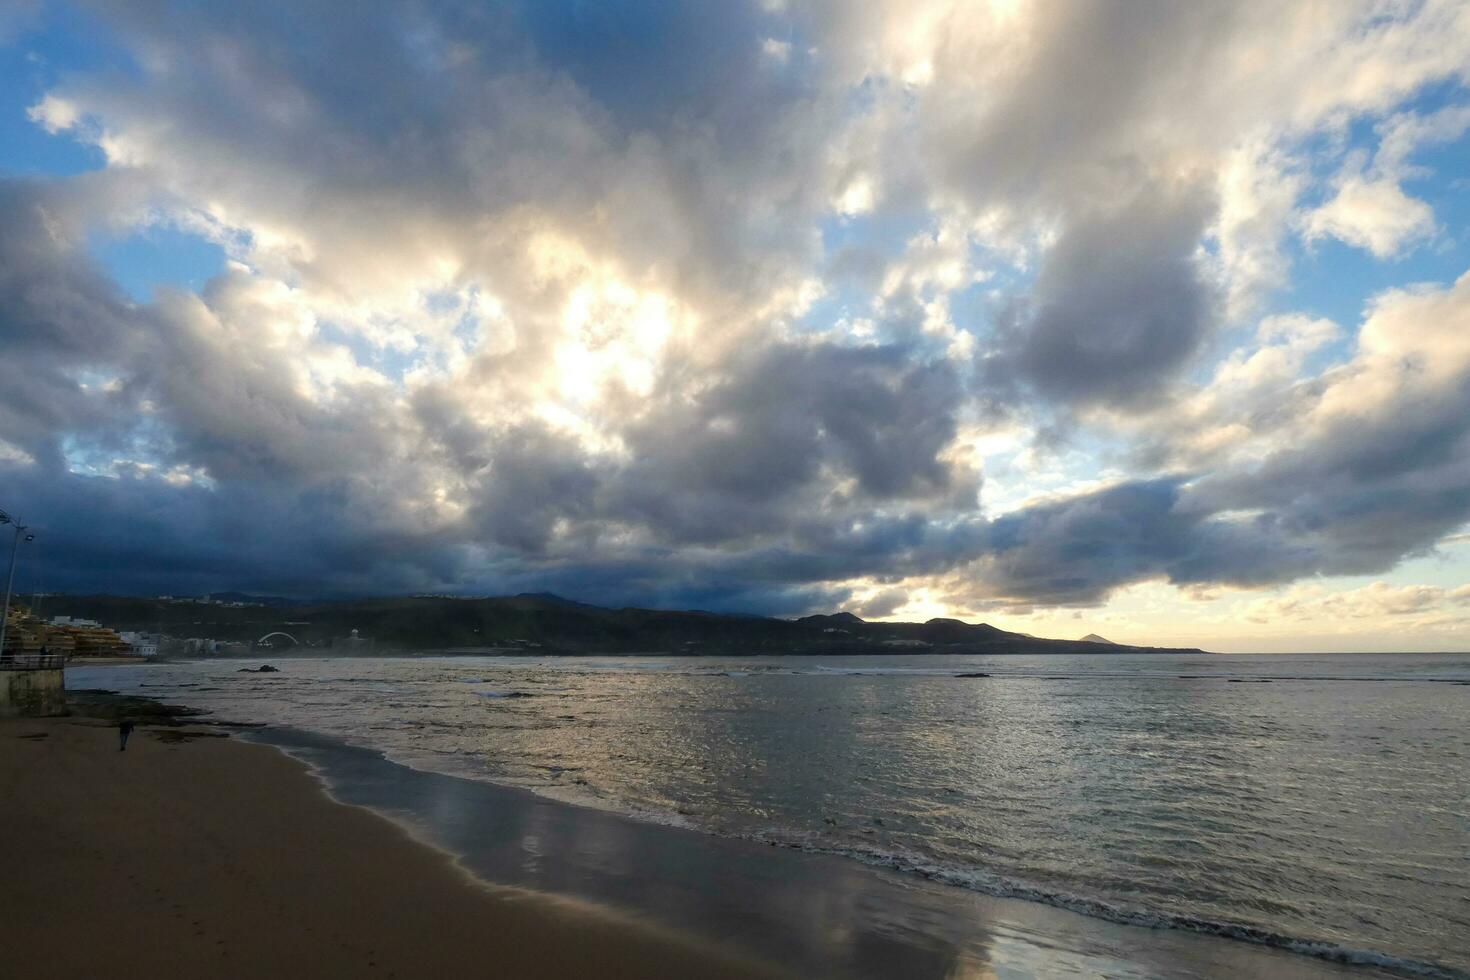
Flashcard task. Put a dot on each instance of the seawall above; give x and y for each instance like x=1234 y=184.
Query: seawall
x=32 y=693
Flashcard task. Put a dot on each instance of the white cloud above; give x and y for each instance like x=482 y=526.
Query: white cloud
x=1369 y=208
x=1373 y=214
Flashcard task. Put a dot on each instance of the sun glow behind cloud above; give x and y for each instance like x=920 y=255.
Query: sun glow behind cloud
x=1153 y=316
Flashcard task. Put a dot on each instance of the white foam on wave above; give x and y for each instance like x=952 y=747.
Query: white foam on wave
x=471 y=766
x=972 y=879
x=1000 y=886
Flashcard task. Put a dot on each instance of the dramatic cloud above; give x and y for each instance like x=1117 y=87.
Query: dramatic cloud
x=762 y=306
x=1121 y=303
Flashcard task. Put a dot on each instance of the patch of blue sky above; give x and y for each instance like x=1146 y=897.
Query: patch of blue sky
x=391 y=362
x=146 y=450
x=1446 y=189
x=461 y=304
x=882 y=232
x=861 y=248
x=1434 y=97
x=1335 y=280
x=86 y=458
x=1332 y=279
x=157 y=255
x=60 y=39
x=457 y=308
x=979 y=307
x=91 y=378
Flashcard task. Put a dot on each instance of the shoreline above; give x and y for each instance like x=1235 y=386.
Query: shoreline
x=194 y=853
x=771 y=901
x=771 y=897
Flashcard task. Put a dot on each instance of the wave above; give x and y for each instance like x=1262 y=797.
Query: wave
x=941 y=665
x=999 y=886
x=496 y=685
x=972 y=879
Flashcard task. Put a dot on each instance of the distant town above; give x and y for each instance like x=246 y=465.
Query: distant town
x=73 y=639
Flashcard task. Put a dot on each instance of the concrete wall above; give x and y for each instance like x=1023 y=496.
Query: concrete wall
x=32 y=693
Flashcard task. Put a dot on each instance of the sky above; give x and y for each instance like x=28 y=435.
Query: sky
x=1148 y=319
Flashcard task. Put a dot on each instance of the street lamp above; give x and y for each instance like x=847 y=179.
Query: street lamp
x=20 y=530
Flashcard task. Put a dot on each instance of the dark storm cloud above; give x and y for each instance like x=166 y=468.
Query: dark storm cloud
x=63 y=325
x=1368 y=490
x=1074 y=551
x=1355 y=498
x=236 y=407
x=1121 y=304
x=535 y=479
x=133 y=533
x=652 y=63
x=764 y=446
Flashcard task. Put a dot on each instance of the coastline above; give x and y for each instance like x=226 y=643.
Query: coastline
x=735 y=901
x=194 y=853
x=819 y=914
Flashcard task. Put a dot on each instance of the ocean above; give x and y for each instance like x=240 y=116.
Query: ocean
x=1314 y=804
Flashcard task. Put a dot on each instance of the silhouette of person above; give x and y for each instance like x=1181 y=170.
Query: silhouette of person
x=124 y=729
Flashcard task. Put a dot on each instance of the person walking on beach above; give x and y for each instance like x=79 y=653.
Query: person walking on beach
x=124 y=729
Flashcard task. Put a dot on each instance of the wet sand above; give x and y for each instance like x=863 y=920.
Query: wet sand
x=210 y=857
x=198 y=855
x=818 y=915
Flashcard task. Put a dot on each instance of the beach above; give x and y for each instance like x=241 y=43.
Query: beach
x=281 y=851
x=885 y=816
x=201 y=855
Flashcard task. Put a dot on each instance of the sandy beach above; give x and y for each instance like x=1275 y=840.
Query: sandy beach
x=278 y=852
x=206 y=856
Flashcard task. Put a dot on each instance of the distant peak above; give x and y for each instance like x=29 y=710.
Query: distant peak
x=552 y=599
x=845 y=618
x=1094 y=638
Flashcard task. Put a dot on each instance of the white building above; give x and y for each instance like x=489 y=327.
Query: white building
x=75 y=621
x=142 y=644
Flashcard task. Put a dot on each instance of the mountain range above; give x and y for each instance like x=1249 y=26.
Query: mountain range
x=550 y=624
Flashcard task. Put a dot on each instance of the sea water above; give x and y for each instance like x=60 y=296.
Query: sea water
x=1315 y=803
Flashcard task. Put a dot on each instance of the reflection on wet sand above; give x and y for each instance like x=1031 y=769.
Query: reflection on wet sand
x=819 y=915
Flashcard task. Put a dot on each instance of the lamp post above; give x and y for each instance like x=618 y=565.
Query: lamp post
x=20 y=529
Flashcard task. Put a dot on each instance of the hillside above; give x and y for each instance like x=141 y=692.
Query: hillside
x=549 y=624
